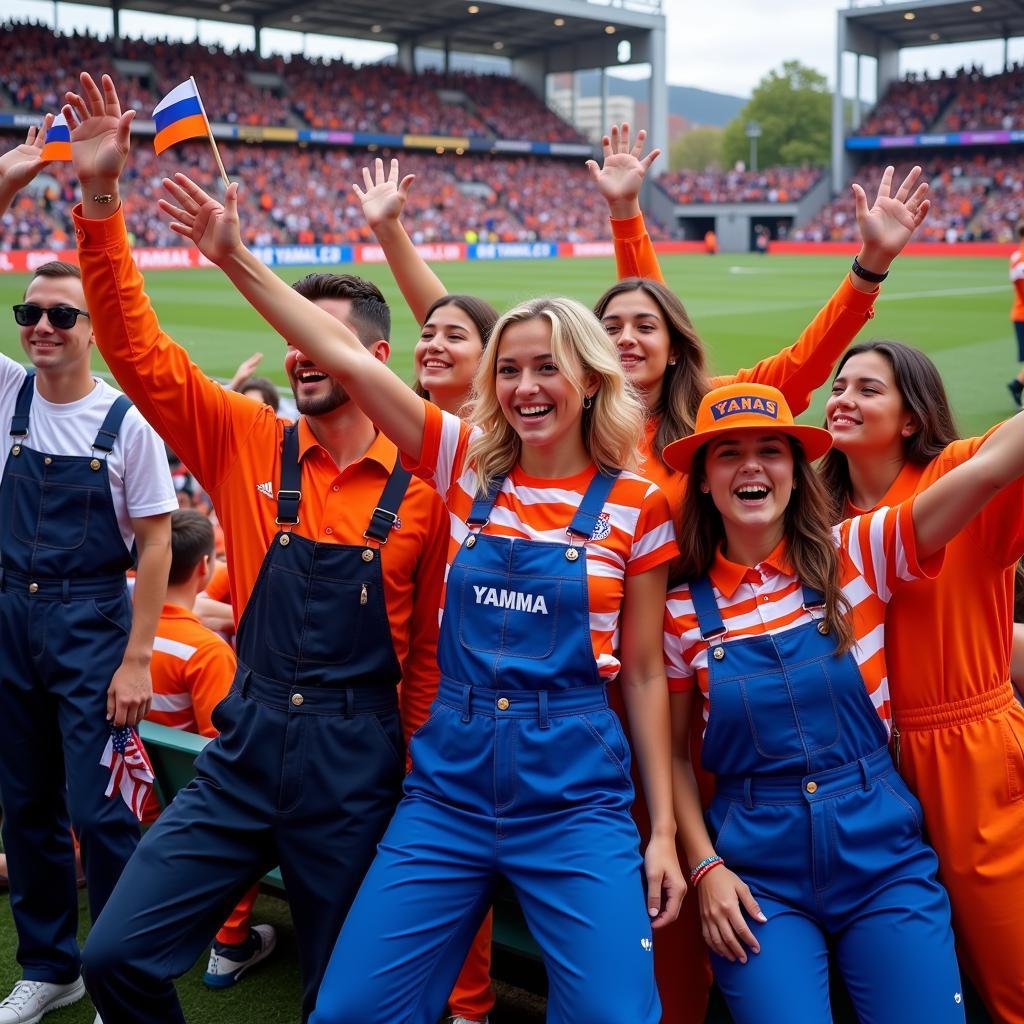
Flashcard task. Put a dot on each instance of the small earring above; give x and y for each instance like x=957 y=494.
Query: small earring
x=588 y=401
x=704 y=489
x=671 y=362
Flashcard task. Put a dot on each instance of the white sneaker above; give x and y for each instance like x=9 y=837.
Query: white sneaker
x=29 y=1001
x=228 y=963
x=466 y=1020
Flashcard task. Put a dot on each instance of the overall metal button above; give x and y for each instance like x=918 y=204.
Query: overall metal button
x=47 y=461
x=16 y=450
x=94 y=465
x=811 y=787
x=471 y=540
x=503 y=703
x=718 y=653
x=297 y=699
x=823 y=627
x=368 y=555
x=33 y=587
x=572 y=554
x=285 y=540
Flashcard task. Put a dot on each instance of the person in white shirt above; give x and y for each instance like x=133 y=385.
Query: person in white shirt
x=85 y=494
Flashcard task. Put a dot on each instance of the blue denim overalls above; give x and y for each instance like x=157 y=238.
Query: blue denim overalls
x=305 y=773
x=521 y=771
x=810 y=812
x=64 y=622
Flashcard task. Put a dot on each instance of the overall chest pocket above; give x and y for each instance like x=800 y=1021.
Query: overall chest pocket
x=51 y=514
x=509 y=615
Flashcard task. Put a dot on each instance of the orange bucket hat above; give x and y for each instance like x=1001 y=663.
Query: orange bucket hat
x=744 y=407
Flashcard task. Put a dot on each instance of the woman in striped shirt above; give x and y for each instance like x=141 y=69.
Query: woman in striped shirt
x=556 y=580
x=812 y=835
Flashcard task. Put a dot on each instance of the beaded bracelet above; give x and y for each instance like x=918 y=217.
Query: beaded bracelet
x=695 y=880
x=699 y=869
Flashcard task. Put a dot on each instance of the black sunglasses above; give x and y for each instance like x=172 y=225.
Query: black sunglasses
x=28 y=314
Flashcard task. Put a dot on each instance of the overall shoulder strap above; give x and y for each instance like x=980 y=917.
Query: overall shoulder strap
x=290 y=494
x=585 y=520
x=709 y=618
x=19 y=421
x=385 y=515
x=107 y=434
x=483 y=503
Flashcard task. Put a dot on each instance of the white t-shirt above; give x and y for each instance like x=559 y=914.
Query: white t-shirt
x=140 y=481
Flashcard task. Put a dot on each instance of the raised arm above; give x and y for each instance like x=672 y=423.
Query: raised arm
x=885 y=229
x=619 y=180
x=214 y=228
x=949 y=504
x=20 y=165
x=383 y=202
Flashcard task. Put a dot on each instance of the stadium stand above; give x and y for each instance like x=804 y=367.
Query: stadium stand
x=771 y=185
x=295 y=91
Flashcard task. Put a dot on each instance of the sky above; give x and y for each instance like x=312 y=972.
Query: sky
x=725 y=47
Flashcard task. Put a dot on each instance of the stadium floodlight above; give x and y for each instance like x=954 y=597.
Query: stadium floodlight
x=753 y=131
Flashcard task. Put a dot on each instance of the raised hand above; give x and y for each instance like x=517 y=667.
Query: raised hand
x=888 y=225
x=622 y=174
x=20 y=165
x=384 y=198
x=100 y=132
x=211 y=226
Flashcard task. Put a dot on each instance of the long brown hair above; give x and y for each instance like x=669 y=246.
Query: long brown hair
x=686 y=379
x=482 y=314
x=924 y=395
x=807 y=528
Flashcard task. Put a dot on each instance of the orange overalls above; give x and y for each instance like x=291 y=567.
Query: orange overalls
x=959 y=731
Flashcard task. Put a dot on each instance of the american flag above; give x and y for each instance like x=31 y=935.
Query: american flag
x=130 y=770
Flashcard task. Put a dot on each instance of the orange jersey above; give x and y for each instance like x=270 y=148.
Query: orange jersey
x=192 y=669
x=219 y=588
x=1017 y=280
x=950 y=636
x=232 y=446
x=877 y=554
x=634 y=534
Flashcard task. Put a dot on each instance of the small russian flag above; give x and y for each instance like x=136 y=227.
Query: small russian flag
x=179 y=116
x=57 y=145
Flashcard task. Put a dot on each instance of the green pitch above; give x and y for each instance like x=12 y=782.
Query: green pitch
x=745 y=308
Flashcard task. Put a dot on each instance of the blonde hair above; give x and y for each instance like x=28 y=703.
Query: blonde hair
x=612 y=426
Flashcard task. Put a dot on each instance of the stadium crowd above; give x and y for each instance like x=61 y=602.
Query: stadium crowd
x=974 y=196
x=966 y=100
x=303 y=195
x=296 y=90
x=771 y=185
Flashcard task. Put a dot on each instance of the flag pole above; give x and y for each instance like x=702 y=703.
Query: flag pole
x=209 y=133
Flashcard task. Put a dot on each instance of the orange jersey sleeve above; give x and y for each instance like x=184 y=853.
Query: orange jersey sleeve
x=634 y=251
x=202 y=422
x=219 y=588
x=798 y=370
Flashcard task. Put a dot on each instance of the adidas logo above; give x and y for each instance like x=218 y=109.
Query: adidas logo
x=647 y=944
x=266 y=489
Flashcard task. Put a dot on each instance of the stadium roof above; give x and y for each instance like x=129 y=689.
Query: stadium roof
x=929 y=22
x=509 y=28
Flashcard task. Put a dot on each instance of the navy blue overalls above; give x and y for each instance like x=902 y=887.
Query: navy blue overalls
x=521 y=771
x=810 y=812
x=64 y=622
x=305 y=773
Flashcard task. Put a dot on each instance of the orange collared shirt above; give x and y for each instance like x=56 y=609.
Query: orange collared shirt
x=232 y=446
x=949 y=637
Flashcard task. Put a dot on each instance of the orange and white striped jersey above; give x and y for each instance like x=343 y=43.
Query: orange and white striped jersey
x=635 y=533
x=192 y=669
x=1017 y=280
x=877 y=552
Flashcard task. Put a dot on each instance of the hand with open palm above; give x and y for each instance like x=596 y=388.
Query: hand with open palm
x=100 y=135
x=20 y=165
x=621 y=175
x=384 y=197
x=887 y=226
x=211 y=226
